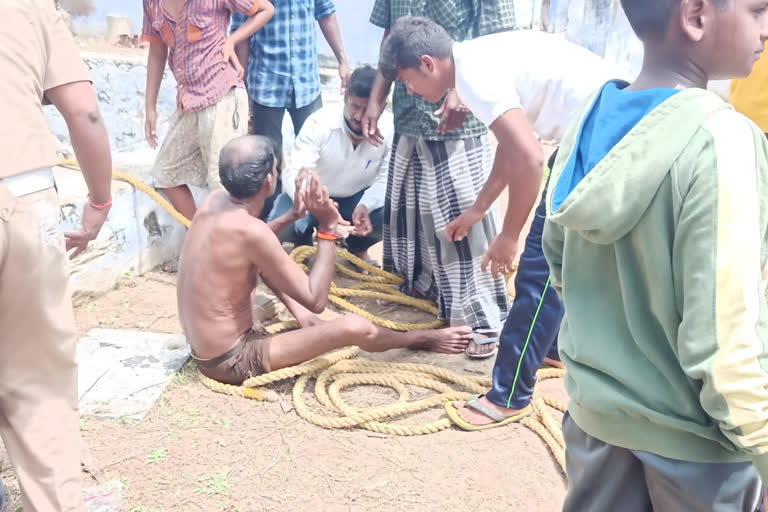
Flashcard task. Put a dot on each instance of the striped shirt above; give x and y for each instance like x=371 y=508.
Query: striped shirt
x=283 y=58
x=462 y=19
x=194 y=42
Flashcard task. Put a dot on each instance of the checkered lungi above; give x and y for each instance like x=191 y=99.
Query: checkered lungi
x=431 y=183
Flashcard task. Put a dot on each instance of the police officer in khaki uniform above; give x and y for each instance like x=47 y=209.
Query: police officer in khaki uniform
x=39 y=421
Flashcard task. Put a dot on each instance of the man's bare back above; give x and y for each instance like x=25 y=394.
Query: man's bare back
x=217 y=276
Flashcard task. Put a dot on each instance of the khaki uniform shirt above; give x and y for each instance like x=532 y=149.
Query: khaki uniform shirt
x=37 y=53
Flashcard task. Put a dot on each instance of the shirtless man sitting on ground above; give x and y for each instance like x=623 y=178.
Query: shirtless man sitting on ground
x=228 y=248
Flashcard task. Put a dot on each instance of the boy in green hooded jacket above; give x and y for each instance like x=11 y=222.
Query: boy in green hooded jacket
x=657 y=241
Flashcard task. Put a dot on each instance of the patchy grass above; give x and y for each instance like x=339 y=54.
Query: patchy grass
x=157 y=455
x=217 y=484
x=177 y=378
x=124 y=420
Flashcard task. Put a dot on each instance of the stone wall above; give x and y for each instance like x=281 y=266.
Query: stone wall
x=139 y=235
x=120 y=82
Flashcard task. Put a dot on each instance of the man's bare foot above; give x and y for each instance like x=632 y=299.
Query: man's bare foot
x=477 y=418
x=451 y=340
x=553 y=363
x=479 y=350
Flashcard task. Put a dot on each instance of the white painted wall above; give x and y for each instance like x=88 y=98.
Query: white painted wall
x=138 y=235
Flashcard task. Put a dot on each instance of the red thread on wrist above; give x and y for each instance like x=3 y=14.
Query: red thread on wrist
x=100 y=206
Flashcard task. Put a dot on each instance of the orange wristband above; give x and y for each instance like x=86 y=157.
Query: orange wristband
x=324 y=235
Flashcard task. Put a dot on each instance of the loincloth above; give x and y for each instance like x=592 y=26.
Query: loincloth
x=248 y=358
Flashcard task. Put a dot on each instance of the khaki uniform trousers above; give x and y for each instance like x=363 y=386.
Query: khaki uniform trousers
x=39 y=421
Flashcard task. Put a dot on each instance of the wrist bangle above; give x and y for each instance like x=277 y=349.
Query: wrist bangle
x=100 y=206
x=324 y=235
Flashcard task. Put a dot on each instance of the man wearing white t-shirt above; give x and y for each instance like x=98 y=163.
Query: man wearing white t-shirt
x=331 y=145
x=519 y=83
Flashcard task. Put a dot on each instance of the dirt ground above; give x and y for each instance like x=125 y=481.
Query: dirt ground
x=198 y=450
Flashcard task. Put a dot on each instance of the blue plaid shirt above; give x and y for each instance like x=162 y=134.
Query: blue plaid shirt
x=283 y=59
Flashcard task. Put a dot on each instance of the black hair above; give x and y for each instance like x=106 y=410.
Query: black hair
x=410 y=38
x=245 y=163
x=361 y=82
x=650 y=18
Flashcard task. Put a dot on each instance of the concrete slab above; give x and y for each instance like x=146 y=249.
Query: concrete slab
x=123 y=373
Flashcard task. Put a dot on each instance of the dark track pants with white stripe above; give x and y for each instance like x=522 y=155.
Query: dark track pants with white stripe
x=531 y=329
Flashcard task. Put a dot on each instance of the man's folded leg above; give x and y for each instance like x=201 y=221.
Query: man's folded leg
x=295 y=347
x=256 y=352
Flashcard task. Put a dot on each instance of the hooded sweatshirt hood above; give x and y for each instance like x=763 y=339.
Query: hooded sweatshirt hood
x=602 y=205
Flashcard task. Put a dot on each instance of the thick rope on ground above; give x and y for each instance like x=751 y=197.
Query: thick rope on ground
x=378 y=284
x=337 y=370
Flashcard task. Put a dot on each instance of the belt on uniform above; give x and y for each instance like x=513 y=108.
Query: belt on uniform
x=29 y=182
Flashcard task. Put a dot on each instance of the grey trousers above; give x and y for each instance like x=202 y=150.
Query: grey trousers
x=606 y=478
